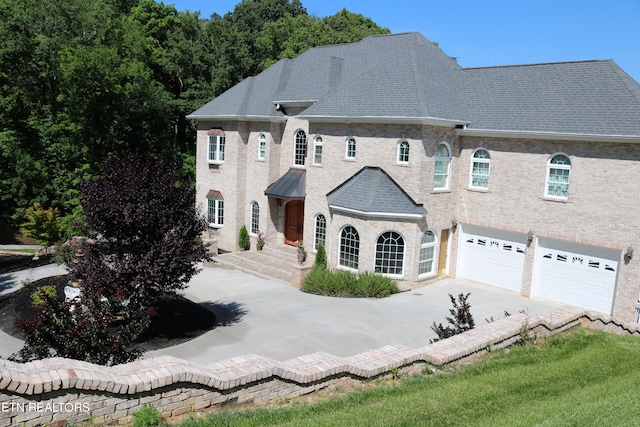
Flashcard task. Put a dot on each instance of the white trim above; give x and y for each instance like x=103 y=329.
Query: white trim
x=437 y=159
x=346 y=148
x=435 y=245
x=404 y=255
x=433 y=121
x=223 y=117
x=582 y=137
x=262 y=138
x=376 y=214
x=559 y=167
x=317 y=142
x=403 y=162
x=221 y=142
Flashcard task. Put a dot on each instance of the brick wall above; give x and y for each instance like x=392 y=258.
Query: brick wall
x=55 y=391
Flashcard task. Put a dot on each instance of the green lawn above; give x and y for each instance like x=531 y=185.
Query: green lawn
x=584 y=378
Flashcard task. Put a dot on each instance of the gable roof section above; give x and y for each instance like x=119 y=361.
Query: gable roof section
x=404 y=78
x=372 y=192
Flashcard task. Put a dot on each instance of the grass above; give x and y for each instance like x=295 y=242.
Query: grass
x=20 y=251
x=584 y=378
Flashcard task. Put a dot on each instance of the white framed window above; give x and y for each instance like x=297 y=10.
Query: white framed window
x=403 y=152
x=300 y=149
x=442 y=167
x=320 y=231
x=349 y=247
x=215 y=209
x=350 y=150
x=215 y=149
x=480 y=162
x=426 y=265
x=255 y=217
x=390 y=254
x=558 y=174
x=262 y=146
x=317 y=151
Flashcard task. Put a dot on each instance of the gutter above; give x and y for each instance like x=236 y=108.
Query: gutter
x=582 y=137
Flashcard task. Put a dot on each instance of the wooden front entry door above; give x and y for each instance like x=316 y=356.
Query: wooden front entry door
x=293 y=221
x=442 y=259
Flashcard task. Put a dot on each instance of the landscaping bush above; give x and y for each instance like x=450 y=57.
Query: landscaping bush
x=244 y=242
x=321 y=281
x=321 y=257
x=461 y=320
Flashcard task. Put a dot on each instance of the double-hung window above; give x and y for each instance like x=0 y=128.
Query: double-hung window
x=262 y=146
x=300 y=149
x=320 y=233
x=403 y=152
x=349 y=248
x=558 y=173
x=215 y=149
x=215 y=209
x=255 y=217
x=427 y=253
x=351 y=149
x=317 y=151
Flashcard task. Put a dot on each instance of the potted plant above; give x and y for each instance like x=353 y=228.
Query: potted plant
x=302 y=253
x=260 y=241
x=243 y=238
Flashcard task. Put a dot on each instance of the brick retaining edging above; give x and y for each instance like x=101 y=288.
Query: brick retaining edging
x=55 y=391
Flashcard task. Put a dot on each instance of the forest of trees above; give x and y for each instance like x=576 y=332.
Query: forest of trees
x=81 y=80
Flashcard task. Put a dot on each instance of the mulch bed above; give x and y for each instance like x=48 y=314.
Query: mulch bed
x=177 y=319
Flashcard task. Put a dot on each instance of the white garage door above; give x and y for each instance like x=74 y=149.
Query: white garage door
x=490 y=256
x=579 y=275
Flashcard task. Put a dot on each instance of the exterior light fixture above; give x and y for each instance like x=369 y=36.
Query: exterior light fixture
x=454 y=225
x=529 y=238
x=628 y=255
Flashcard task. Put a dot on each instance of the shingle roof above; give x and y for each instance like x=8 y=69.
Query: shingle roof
x=405 y=78
x=371 y=191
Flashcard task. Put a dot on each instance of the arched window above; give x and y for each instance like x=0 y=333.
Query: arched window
x=443 y=162
x=403 y=152
x=349 y=247
x=351 y=149
x=427 y=253
x=390 y=253
x=262 y=146
x=255 y=217
x=558 y=172
x=320 y=232
x=300 y=153
x=480 y=161
x=317 y=151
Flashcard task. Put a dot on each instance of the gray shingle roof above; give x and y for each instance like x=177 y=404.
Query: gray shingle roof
x=290 y=186
x=371 y=191
x=405 y=78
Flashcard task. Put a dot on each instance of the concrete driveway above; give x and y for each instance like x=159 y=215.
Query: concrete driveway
x=261 y=317
x=258 y=316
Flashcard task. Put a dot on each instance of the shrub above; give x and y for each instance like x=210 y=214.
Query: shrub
x=243 y=238
x=67 y=252
x=40 y=295
x=321 y=281
x=321 y=257
x=461 y=320
x=147 y=416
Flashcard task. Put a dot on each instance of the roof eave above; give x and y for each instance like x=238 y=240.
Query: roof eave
x=250 y=118
x=434 y=121
x=378 y=214
x=563 y=136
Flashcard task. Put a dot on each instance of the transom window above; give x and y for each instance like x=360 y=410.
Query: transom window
x=558 y=172
x=300 y=153
x=215 y=208
x=390 y=253
x=403 y=152
x=215 y=148
x=443 y=162
x=317 y=151
x=427 y=253
x=320 y=232
x=349 y=247
x=262 y=146
x=255 y=217
x=480 y=169
x=351 y=149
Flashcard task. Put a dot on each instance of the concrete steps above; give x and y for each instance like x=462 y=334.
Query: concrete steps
x=272 y=262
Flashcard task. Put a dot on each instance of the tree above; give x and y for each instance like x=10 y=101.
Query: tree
x=42 y=225
x=145 y=243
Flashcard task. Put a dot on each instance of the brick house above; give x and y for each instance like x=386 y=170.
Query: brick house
x=401 y=162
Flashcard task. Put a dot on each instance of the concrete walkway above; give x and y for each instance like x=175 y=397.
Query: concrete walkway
x=258 y=316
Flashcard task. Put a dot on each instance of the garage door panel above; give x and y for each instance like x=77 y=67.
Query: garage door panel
x=579 y=275
x=492 y=257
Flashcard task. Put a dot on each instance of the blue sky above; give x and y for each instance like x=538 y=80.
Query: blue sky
x=496 y=32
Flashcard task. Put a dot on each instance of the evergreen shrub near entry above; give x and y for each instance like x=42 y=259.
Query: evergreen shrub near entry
x=321 y=281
